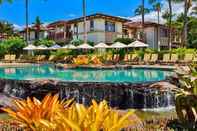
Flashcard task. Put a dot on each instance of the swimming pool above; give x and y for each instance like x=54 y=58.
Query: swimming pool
x=33 y=72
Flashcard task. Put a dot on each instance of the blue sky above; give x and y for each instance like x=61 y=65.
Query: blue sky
x=51 y=10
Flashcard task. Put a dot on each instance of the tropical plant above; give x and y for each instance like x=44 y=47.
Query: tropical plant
x=51 y=114
x=157 y=7
x=78 y=42
x=6 y=28
x=1 y=1
x=37 y=26
x=12 y=45
x=125 y=40
x=44 y=42
x=186 y=105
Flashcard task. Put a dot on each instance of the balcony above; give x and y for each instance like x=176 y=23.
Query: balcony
x=111 y=36
x=164 y=42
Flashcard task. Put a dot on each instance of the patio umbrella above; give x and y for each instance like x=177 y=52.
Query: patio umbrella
x=30 y=47
x=85 y=46
x=55 y=47
x=41 y=47
x=118 y=45
x=69 y=46
x=101 y=46
x=138 y=44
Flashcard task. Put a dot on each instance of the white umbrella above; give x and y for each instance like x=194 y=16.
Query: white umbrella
x=138 y=44
x=69 y=46
x=55 y=47
x=101 y=45
x=118 y=45
x=85 y=46
x=30 y=47
x=41 y=47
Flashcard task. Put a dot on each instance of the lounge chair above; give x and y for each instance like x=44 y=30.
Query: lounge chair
x=154 y=58
x=109 y=58
x=116 y=58
x=51 y=58
x=166 y=59
x=174 y=58
x=6 y=58
x=147 y=58
x=12 y=58
x=126 y=58
x=42 y=58
x=194 y=59
x=187 y=59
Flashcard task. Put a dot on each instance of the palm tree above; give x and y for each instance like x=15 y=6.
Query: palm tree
x=170 y=24
x=1 y=1
x=27 y=38
x=157 y=8
x=141 y=10
x=84 y=24
x=37 y=26
x=187 y=6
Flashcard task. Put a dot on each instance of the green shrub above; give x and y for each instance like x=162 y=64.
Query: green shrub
x=45 y=42
x=12 y=45
x=125 y=40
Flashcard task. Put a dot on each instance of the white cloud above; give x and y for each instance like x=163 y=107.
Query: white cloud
x=177 y=9
x=71 y=15
x=17 y=27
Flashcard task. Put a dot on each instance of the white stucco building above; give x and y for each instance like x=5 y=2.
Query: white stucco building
x=155 y=35
x=100 y=28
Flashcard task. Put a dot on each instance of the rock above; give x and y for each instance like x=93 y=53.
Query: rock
x=164 y=86
x=7 y=101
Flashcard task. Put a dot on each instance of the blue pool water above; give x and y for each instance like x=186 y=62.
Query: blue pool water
x=33 y=72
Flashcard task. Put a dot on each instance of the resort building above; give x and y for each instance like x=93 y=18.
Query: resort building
x=35 y=33
x=59 y=31
x=100 y=28
x=151 y=35
x=105 y=28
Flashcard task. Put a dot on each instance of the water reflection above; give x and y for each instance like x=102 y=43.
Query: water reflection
x=83 y=75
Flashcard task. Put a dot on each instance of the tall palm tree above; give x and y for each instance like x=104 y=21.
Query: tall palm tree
x=27 y=38
x=170 y=24
x=1 y=1
x=141 y=10
x=187 y=6
x=157 y=7
x=37 y=26
x=84 y=24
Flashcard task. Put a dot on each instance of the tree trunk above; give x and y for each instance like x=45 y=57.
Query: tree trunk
x=84 y=24
x=185 y=24
x=143 y=4
x=27 y=22
x=158 y=29
x=170 y=25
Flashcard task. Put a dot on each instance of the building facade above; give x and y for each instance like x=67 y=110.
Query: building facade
x=106 y=28
x=100 y=28
x=59 y=31
x=155 y=35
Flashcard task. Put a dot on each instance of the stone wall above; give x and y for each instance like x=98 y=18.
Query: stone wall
x=120 y=95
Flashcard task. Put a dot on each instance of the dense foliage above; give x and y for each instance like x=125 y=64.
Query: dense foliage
x=125 y=40
x=78 y=42
x=45 y=42
x=13 y=45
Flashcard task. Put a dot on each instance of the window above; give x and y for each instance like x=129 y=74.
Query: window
x=109 y=26
x=163 y=32
x=91 y=25
x=75 y=29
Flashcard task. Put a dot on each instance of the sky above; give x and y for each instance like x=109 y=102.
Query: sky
x=52 y=10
